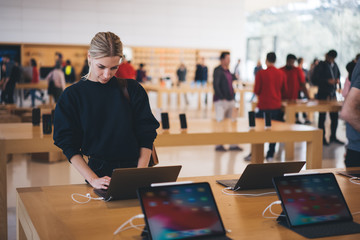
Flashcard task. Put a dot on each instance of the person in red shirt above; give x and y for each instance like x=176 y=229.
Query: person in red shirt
x=35 y=79
x=295 y=81
x=270 y=87
x=125 y=70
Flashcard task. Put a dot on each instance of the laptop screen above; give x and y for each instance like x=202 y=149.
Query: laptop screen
x=181 y=211
x=313 y=198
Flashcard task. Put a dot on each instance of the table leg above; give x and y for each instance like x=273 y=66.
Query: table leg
x=199 y=100
x=51 y=99
x=289 y=146
x=314 y=151
x=241 y=108
x=20 y=233
x=21 y=96
x=3 y=192
x=257 y=153
x=178 y=99
x=289 y=115
x=159 y=99
x=289 y=151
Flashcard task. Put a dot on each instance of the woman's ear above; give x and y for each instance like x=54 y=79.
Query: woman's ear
x=89 y=58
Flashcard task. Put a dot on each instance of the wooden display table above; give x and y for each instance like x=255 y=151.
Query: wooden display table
x=199 y=90
x=160 y=90
x=24 y=138
x=50 y=213
x=42 y=85
x=290 y=108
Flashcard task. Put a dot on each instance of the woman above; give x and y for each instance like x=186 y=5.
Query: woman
x=94 y=117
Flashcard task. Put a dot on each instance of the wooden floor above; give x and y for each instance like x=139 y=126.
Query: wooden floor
x=196 y=161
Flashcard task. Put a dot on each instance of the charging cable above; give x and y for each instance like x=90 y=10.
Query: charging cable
x=121 y=228
x=269 y=208
x=86 y=196
x=225 y=191
x=355 y=180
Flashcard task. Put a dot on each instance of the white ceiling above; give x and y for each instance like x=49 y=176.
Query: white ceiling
x=254 y=5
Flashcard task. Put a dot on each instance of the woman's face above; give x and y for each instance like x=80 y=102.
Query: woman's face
x=103 y=69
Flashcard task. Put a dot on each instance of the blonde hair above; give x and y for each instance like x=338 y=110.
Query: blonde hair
x=105 y=44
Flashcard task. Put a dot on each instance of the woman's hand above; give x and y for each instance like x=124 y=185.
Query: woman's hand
x=79 y=163
x=100 y=183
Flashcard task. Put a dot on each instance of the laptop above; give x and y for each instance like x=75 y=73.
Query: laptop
x=314 y=206
x=185 y=211
x=350 y=174
x=257 y=176
x=125 y=181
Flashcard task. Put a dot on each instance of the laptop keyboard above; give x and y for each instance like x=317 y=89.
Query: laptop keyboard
x=231 y=183
x=100 y=192
x=328 y=229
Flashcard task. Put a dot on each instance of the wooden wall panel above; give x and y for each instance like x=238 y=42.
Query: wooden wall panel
x=45 y=55
x=161 y=62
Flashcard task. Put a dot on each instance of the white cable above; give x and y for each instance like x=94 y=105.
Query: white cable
x=269 y=207
x=355 y=180
x=355 y=213
x=85 y=196
x=120 y=229
x=134 y=226
x=224 y=191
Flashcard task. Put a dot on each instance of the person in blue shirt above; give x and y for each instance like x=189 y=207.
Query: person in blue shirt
x=96 y=118
x=350 y=112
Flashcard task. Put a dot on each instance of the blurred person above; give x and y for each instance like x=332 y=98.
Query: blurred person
x=69 y=72
x=258 y=67
x=35 y=80
x=56 y=80
x=59 y=59
x=85 y=69
x=295 y=81
x=302 y=94
x=237 y=70
x=351 y=65
x=141 y=74
x=350 y=112
x=181 y=76
x=350 y=68
x=201 y=74
x=327 y=76
x=11 y=76
x=125 y=70
x=300 y=62
x=270 y=87
x=311 y=70
x=224 y=95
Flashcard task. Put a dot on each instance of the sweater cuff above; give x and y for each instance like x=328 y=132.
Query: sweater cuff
x=69 y=153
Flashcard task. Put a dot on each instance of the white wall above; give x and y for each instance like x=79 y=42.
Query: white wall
x=164 y=23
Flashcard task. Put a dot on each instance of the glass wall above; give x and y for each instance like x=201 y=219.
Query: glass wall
x=307 y=29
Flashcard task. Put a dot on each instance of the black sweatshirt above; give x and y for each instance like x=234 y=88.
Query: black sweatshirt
x=97 y=120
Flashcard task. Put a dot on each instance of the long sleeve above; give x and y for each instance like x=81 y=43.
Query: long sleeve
x=284 y=88
x=97 y=120
x=145 y=124
x=257 y=86
x=67 y=128
x=217 y=81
